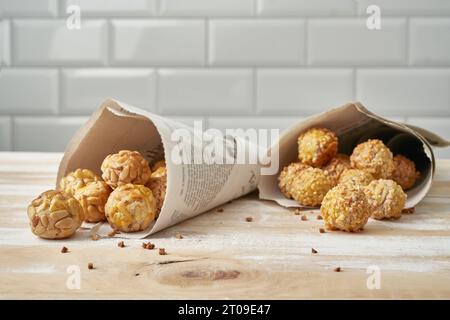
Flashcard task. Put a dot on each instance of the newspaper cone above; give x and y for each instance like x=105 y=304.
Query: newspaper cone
x=191 y=188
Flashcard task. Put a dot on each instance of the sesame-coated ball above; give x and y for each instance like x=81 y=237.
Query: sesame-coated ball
x=404 y=173
x=288 y=174
x=345 y=207
x=92 y=198
x=158 y=185
x=130 y=208
x=386 y=198
x=374 y=157
x=310 y=186
x=55 y=215
x=336 y=167
x=125 y=167
x=317 y=146
x=77 y=180
x=356 y=176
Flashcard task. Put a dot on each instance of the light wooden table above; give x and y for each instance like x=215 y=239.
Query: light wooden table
x=223 y=256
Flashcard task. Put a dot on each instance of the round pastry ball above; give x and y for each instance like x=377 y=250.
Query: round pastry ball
x=374 y=157
x=158 y=185
x=55 y=215
x=336 y=167
x=130 y=208
x=405 y=173
x=310 y=186
x=288 y=174
x=345 y=207
x=356 y=176
x=92 y=198
x=317 y=146
x=386 y=198
x=125 y=167
x=76 y=180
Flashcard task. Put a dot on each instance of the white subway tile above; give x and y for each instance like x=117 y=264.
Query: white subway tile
x=112 y=8
x=206 y=7
x=5 y=52
x=5 y=134
x=350 y=42
x=205 y=92
x=411 y=92
x=44 y=133
x=430 y=41
x=256 y=42
x=189 y=121
x=305 y=7
x=29 y=8
x=407 y=7
x=223 y=123
x=28 y=91
x=158 y=42
x=302 y=91
x=83 y=90
x=50 y=42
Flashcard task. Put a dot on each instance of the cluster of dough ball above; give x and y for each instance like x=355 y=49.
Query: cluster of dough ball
x=130 y=196
x=371 y=182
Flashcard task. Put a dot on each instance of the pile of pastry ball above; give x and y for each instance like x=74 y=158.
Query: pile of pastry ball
x=371 y=182
x=130 y=196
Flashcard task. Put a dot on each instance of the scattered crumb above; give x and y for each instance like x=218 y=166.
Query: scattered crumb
x=337 y=269
x=297 y=212
x=64 y=250
x=322 y=230
x=148 y=245
x=95 y=237
x=314 y=251
x=90 y=266
x=304 y=218
x=220 y=210
x=178 y=236
x=136 y=274
x=162 y=252
x=113 y=233
x=319 y=217
x=121 y=244
x=409 y=210
x=249 y=219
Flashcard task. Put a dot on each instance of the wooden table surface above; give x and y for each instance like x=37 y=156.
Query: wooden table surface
x=222 y=255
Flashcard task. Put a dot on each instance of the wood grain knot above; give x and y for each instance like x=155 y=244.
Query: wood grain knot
x=211 y=274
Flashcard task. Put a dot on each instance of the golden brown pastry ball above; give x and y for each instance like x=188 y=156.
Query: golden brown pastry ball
x=288 y=174
x=309 y=187
x=125 y=167
x=317 y=146
x=158 y=185
x=386 y=198
x=404 y=173
x=130 y=208
x=374 y=157
x=92 y=198
x=336 y=167
x=76 y=180
x=356 y=176
x=345 y=207
x=55 y=215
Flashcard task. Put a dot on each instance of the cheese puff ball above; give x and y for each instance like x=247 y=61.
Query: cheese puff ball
x=317 y=146
x=158 y=186
x=374 y=157
x=159 y=164
x=92 y=198
x=125 y=167
x=310 y=186
x=386 y=198
x=130 y=208
x=336 y=167
x=55 y=215
x=405 y=173
x=76 y=180
x=356 y=176
x=288 y=174
x=345 y=207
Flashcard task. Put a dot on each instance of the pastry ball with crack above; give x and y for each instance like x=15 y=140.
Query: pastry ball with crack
x=336 y=167
x=345 y=207
x=92 y=198
x=158 y=184
x=125 y=167
x=55 y=215
x=130 y=208
x=288 y=174
x=309 y=187
x=386 y=198
x=356 y=176
x=405 y=173
x=317 y=146
x=76 y=180
x=374 y=157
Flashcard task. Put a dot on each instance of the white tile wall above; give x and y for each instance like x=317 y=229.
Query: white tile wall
x=231 y=63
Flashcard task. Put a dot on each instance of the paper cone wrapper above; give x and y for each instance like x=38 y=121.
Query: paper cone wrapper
x=191 y=188
x=354 y=124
